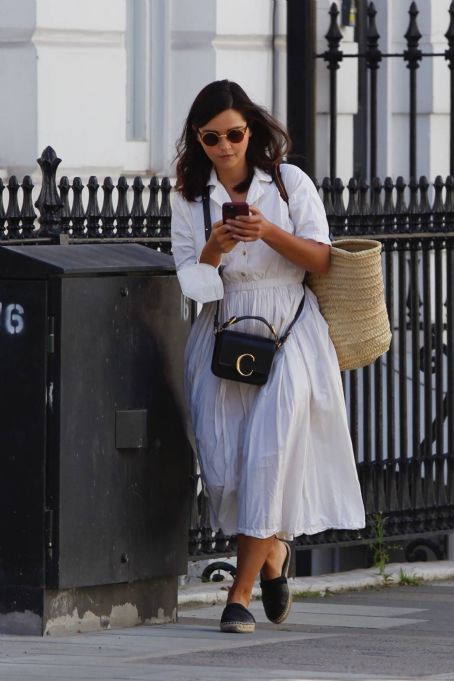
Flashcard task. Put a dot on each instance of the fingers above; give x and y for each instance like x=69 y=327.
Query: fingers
x=250 y=227
x=247 y=236
x=247 y=228
x=222 y=237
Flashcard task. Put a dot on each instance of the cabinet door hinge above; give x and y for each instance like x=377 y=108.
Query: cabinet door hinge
x=49 y=530
x=51 y=335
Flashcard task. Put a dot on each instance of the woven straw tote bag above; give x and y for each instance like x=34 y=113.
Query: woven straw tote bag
x=351 y=299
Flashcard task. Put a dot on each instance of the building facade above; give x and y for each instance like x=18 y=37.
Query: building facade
x=108 y=83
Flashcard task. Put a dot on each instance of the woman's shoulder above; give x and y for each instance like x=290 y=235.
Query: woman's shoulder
x=181 y=207
x=294 y=178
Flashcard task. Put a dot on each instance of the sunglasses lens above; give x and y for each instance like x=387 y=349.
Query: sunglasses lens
x=210 y=139
x=235 y=136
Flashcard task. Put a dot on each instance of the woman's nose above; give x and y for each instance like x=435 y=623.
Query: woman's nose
x=224 y=144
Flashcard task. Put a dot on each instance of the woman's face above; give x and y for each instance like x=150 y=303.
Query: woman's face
x=226 y=155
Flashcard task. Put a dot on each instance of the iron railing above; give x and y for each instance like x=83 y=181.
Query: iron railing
x=70 y=213
x=301 y=83
x=372 y=55
x=401 y=409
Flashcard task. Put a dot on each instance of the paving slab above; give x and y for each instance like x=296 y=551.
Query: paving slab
x=387 y=634
x=124 y=654
x=324 y=615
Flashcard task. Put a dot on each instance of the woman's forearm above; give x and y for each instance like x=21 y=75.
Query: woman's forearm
x=210 y=255
x=307 y=253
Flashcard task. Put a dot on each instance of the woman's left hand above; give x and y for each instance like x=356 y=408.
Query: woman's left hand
x=306 y=253
x=250 y=227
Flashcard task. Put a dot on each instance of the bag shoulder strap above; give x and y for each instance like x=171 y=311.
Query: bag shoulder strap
x=206 y=212
x=279 y=182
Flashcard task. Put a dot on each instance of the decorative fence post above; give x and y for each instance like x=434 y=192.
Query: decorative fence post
x=333 y=56
x=49 y=202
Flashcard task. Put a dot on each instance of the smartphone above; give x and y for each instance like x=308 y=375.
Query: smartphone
x=233 y=208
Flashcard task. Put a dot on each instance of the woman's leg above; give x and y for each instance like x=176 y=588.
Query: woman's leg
x=253 y=555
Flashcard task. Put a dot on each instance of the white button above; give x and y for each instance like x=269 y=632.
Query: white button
x=243 y=274
x=244 y=252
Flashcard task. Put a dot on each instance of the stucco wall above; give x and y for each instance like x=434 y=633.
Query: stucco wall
x=65 y=81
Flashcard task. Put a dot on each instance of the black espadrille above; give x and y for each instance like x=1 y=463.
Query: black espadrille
x=237 y=619
x=276 y=597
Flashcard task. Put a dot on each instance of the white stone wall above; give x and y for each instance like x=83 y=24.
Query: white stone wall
x=65 y=79
x=225 y=39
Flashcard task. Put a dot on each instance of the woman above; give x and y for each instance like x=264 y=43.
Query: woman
x=276 y=460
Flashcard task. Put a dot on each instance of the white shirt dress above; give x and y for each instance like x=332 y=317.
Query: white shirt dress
x=275 y=459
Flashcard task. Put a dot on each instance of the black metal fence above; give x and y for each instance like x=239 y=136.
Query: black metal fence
x=370 y=57
x=70 y=212
x=401 y=409
x=301 y=83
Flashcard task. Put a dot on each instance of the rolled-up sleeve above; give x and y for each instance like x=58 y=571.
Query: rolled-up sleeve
x=305 y=205
x=199 y=281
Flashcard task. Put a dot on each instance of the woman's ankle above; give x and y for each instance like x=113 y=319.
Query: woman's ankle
x=238 y=594
x=273 y=565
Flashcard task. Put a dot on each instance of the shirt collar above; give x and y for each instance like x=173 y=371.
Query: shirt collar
x=256 y=189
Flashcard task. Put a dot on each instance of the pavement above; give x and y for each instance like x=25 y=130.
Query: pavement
x=355 y=625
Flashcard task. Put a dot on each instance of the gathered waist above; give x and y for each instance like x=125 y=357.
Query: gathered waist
x=261 y=283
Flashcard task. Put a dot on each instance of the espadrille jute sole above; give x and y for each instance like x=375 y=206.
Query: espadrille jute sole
x=236 y=619
x=285 y=614
x=237 y=627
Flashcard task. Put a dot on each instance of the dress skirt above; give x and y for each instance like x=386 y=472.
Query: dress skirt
x=275 y=459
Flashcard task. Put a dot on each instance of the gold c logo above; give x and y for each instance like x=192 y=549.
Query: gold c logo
x=238 y=364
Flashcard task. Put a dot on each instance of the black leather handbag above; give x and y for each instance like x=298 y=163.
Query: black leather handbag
x=245 y=357
x=239 y=356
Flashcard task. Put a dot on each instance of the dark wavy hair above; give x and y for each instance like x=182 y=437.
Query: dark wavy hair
x=267 y=146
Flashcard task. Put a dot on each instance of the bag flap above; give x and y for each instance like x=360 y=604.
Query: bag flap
x=231 y=345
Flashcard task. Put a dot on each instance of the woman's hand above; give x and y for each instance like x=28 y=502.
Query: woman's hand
x=221 y=237
x=306 y=253
x=220 y=241
x=250 y=227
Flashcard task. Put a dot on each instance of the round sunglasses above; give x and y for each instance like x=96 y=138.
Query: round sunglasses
x=235 y=136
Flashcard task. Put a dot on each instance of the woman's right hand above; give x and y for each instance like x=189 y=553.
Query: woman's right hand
x=220 y=241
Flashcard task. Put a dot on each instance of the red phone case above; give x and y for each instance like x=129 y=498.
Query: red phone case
x=231 y=209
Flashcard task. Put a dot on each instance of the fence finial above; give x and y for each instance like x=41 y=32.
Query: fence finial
x=413 y=36
x=49 y=202
x=333 y=54
x=27 y=213
x=107 y=210
x=137 y=210
x=12 y=212
x=2 y=210
x=373 y=53
x=449 y=35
